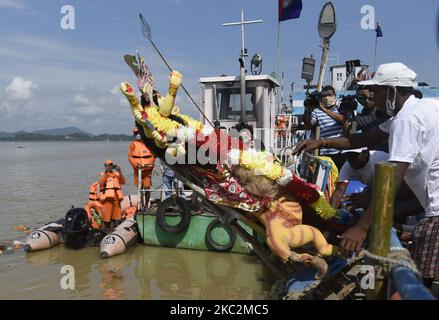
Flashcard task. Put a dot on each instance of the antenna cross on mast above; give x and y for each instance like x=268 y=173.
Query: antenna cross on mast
x=242 y=23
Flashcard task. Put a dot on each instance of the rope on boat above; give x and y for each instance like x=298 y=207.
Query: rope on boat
x=397 y=257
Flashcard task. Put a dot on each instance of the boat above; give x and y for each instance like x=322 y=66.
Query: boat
x=75 y=232
x=204 y=232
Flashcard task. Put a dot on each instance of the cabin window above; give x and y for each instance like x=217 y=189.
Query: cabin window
x=229 y=102
x=339 y=76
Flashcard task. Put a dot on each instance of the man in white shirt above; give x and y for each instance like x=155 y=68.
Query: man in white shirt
x=360 y=166
x=413 y=135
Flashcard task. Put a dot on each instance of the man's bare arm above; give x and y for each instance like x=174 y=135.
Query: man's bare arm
x=334 y=115
x=358 y=140
x=354 y=237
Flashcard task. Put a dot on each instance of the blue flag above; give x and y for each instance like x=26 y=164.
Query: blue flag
x=379 y=31
x=289 y=9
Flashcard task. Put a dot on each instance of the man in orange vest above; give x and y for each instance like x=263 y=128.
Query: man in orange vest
x=110 y=185
x=140 y=157
x=94 y=207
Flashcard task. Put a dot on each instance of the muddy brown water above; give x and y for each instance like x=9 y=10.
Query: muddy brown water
x=39 y=181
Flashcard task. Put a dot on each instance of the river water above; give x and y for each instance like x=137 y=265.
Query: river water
x=40 y=181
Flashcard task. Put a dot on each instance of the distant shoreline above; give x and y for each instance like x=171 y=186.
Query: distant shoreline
x=24 y=137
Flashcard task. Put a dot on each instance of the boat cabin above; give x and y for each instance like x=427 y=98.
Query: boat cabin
x=222 y=102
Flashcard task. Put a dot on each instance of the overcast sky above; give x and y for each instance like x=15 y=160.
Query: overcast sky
x=50 y=77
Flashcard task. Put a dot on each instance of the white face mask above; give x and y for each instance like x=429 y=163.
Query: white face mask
x=328 y=101
x=137 y=137
x=390 y=105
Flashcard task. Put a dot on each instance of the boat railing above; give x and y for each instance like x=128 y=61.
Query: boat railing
x=158 y=192
x=285 y=134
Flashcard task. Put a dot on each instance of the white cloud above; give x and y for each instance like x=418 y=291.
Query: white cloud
x=123 y=102
x=91 y=110
x=76 y=85
x=85 y=107
x=16 y=4
x=115 y=91
x=81 y=101
x=20 y=89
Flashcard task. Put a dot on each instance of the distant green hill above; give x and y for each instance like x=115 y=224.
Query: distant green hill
x=62 y=131
x=61 y=134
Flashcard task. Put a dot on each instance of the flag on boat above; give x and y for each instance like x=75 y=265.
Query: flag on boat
x=146 y=29
x=379 y=31
x=289 y=9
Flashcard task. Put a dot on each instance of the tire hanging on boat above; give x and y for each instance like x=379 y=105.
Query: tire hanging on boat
x=212 y=244
x=183 y=209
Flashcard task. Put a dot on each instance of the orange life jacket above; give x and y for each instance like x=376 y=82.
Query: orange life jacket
x=93 y=192
x=94 y=218
x=112 y=187
x=139 y=154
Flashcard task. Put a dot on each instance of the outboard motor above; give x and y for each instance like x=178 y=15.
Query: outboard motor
x=76 y=228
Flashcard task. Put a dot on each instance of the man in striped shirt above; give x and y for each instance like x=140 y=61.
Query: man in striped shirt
x=329 y=119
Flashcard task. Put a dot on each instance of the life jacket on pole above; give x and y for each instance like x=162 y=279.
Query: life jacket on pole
x=140 y=155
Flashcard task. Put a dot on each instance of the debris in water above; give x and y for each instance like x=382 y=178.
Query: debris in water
x=18 y=244
x=23 y=228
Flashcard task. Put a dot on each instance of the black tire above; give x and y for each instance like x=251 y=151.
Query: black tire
x=220 y=247
x=183 y=208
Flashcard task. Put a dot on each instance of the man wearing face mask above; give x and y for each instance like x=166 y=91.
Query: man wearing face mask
x=327 y=117
x=413 y=136
x=370 y=117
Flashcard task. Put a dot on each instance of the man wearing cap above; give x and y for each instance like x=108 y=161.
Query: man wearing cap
x=360 y=167
x=141 y=158
x=110 y=184
x=413 y=136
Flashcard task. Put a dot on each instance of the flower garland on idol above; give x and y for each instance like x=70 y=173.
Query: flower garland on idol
x=260 y=162
x=263 y=163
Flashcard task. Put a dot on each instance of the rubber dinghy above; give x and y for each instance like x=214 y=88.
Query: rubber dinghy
x=74 y=230
x=45 y=237
x=121 y=239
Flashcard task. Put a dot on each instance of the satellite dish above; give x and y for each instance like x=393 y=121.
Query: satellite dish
x=327 y=21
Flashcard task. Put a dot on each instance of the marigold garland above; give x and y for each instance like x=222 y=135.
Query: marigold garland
x=161 y=123
x=191 y=122
x=323 y=208
x=259 y=162
x=303 y=191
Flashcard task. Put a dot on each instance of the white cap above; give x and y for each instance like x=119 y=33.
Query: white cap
x=359 y=150
x=392 y=74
